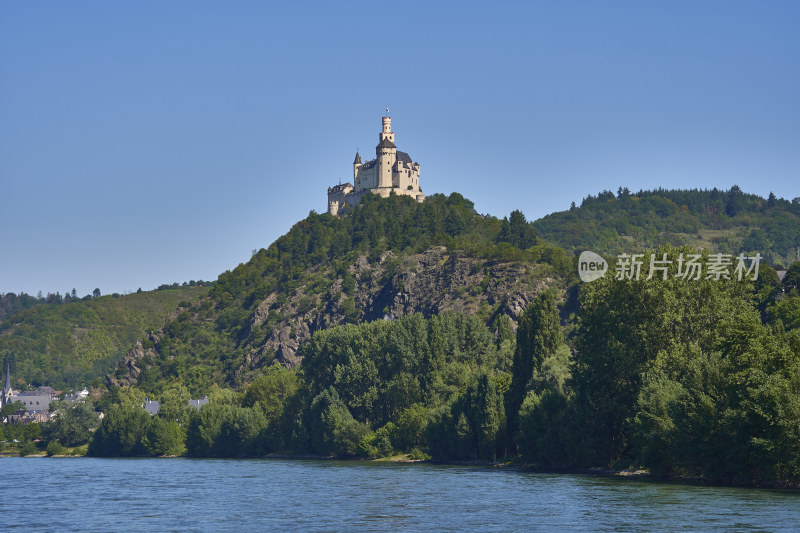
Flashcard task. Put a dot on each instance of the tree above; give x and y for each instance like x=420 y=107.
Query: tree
x=11 y=408
x=538 y=337
x=792 y=278
x=73 y=424
x=411 y=426
x=121 y=433
x=546 y=429
x=787 y=311
x=771 y=200
x=333 y=429
x=735 y=201
x=483 y=408
x=469 y=427
x=767 y=287
x=271 y=391
x=204 y=429
x=164 y=437
x=175 y=405
x=96 y=293
x=516 y=231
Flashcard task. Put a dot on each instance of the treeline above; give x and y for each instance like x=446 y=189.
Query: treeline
x=176 y=285
x=362 y=390
x=727 y=221
x=685 y=378
x=11 y=303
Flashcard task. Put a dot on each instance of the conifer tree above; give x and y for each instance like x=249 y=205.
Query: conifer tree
x=538 y=337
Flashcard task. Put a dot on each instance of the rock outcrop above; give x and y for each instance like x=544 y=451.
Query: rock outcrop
x=390 y=287
x=427 y=283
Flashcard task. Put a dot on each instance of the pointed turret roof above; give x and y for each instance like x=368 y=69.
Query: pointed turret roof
x=8 y=379
x=386 y=143
x=358 y=159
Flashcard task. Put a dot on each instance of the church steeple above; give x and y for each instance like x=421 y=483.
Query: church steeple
x=5 y=399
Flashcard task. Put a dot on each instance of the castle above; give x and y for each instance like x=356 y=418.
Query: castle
x=390 y=171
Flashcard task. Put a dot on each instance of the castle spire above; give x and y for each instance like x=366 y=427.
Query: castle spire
x=8 y=379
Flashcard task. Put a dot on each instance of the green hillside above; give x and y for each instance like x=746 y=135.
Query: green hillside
x=69 y=344
x=389 y=256
x=393 y=257
x=720 y=221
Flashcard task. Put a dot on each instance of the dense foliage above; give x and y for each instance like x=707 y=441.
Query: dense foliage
x=11 y=303
x=70 y=344
x=368 y=389
x=681 y=377
x=725 y=221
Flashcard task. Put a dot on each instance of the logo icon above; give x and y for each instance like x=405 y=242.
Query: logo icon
x=591 y=266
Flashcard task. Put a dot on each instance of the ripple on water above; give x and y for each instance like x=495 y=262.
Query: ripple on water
x=227 y=495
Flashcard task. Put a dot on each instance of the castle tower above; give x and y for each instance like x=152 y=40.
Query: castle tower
x=387 y=132
x=386 y=153
x=356 y=165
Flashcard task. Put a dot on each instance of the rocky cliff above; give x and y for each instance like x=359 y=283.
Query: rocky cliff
x=391 y=286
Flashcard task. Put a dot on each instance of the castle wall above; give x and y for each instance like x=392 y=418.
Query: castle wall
x=337 y=197
x=366 y=178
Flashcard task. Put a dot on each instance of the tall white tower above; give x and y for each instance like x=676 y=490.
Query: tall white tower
x=386 y=153
x=387 y=132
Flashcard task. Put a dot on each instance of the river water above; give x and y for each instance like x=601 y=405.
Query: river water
x=258 y=495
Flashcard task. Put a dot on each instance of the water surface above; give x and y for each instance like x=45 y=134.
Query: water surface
x=245 y=495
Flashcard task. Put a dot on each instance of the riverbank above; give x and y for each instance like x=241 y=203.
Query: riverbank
x=622 y=474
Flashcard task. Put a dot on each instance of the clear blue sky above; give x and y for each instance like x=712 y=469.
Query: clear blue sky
x=151 y=142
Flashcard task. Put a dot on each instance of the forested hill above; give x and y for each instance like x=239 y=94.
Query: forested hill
x=67 y=344
x=393 y=257
x=726 y=221
x=389 y=257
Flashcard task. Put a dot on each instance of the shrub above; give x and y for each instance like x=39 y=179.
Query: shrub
x=55 y=448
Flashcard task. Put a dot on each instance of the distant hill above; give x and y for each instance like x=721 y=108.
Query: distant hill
x=725 y=221
x=68 y=344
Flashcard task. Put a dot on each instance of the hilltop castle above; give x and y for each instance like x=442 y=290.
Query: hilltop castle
x=390 y=171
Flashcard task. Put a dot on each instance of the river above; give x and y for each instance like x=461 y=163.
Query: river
x=257 y=495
